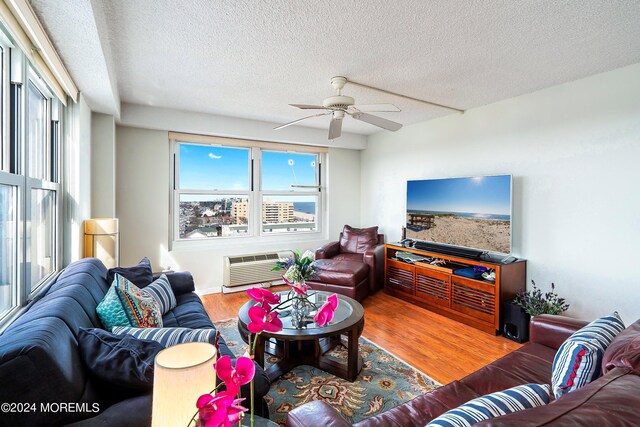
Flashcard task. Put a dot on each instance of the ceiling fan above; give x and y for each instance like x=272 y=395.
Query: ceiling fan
x=341 y=105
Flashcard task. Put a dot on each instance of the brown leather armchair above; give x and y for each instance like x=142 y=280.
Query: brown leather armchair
x=362 y=245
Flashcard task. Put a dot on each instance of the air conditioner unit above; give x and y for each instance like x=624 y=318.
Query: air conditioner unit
x=242 y=270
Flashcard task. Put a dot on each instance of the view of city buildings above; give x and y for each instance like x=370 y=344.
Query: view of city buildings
x=229 y=216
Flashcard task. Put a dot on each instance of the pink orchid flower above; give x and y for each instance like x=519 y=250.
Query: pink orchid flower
x=300 y=288
x=221 y=410
x=325 y=313
x=263 y=320
x=236 y=376
x=263 y=296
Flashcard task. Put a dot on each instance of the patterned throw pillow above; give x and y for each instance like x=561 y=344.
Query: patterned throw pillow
x=494 y=405
x=110 y=310
x=168 y=336
x=578 y=359
x=141 y=308
x=163 y=293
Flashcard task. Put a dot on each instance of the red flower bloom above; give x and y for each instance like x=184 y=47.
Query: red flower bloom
x=236 y=376
x=325 y=314
x=263 y=296
x=221 y=410
x=263 y=320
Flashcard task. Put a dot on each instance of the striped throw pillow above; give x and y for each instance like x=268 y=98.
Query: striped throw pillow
x=494 y=405
x=578 y=359
x=168 y=336
x=162 y=292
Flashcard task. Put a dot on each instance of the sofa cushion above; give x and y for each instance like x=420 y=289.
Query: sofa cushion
x=358 y=240
x=139 y=274
x=189 y=313
x=181 y=282
x=494 y=405
x=168 y=336
x=122 y=361
x=624 y=350
x=141 y=308
x=609 y=401
x=579 y=359
x=110 y=310
x=161 y=291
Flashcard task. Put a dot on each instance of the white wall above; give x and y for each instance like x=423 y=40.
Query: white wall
x=103 y=173
x=77 y=177
x=574 y=152
x=142 y=205
x=146 y=117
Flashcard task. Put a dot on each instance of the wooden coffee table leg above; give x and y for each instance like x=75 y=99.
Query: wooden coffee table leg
x=353 y=356
x=259 y=354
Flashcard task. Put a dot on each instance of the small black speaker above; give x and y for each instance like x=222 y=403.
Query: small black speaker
x=515 y=322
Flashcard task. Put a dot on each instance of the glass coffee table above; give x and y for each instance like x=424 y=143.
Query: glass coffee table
x=309 y=345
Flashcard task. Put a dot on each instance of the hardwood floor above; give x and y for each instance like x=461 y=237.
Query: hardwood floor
x=440 y=347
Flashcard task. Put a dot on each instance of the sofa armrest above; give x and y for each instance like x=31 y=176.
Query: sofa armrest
x=552 y=330
x=328 y=250
x=315 y=413
x=181 y=281
x=374 y=259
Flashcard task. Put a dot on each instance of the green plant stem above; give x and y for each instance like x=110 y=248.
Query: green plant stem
x=252 y=356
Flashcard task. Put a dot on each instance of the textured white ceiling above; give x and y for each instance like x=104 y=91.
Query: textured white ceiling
x=249 y=58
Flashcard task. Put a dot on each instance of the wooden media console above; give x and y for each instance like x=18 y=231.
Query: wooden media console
x=471 y=301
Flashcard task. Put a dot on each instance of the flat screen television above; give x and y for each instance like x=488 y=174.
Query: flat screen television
x=472 y=212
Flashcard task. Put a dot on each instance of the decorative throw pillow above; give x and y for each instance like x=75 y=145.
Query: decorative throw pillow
x=161 y=290
x=140 y=274
x=358 y=240
x=110 y=310
x=141 y=308
x=169 y=336
x=122 y=361
x=578 y=360
x=494 y=405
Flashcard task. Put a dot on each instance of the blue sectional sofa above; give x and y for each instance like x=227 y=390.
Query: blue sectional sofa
x=40 y=362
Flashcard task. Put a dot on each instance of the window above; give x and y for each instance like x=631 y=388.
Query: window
x=29 y=181
x=289 y=191
x=226 y=188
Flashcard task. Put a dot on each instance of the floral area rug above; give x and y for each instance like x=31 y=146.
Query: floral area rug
x=384 y=382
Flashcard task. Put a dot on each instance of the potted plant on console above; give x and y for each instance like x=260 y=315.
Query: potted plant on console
x=518 y=312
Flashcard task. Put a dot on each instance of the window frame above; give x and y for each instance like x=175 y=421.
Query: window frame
x=16 y=73
x=255 y=231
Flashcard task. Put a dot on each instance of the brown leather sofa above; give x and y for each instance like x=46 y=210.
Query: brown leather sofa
x=353 y=265
x=613 y=400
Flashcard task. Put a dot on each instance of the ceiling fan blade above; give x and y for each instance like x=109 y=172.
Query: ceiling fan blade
x=335 y=128
x=379 y=108
x=308 y=107
x=299 y=120
x=376 y=121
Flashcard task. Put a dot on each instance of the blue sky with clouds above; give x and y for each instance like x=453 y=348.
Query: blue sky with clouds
x=204 y=167
x=487 y=195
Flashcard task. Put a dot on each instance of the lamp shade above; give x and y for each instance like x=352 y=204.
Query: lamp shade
x=101 y=240
x=182 y=374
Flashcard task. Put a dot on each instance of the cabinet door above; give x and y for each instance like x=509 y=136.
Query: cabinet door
x=433 y=286
x=474 y=298
x=399 y=275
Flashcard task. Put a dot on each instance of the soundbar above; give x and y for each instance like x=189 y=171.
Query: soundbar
x=461 y=252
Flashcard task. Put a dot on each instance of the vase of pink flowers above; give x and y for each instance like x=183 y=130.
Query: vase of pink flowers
x=223 y=409
x=298 y=269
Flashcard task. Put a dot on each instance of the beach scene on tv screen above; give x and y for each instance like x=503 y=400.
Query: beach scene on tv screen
x=471 y=212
